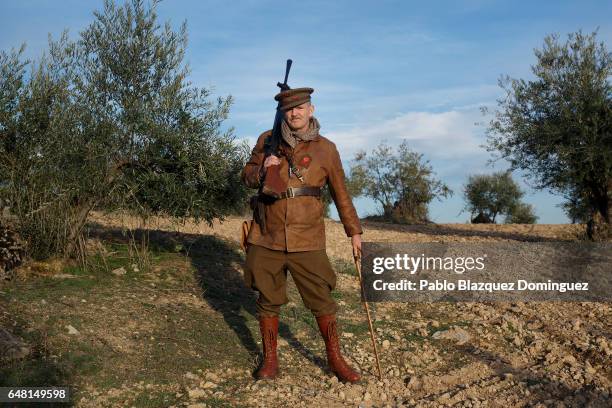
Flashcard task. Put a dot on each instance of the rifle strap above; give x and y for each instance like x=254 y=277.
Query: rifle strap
x=293 y=168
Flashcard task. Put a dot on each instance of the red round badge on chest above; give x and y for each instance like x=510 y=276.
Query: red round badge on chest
x=305 y=161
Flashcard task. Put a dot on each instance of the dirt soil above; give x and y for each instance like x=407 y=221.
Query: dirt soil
x=178 y=329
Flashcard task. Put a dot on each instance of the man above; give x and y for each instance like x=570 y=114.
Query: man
x=294 y=236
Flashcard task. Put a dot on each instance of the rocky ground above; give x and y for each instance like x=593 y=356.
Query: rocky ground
x=182 y=332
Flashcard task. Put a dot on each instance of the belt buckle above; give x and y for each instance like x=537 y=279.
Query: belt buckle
x=290 y=193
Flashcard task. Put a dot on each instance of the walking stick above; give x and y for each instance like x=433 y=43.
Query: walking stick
x=357 y=259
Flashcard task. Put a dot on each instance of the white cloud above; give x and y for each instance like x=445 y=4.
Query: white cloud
x=442 y=135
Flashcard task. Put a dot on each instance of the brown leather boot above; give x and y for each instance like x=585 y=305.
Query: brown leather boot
x=344 y=372
x=269 y=333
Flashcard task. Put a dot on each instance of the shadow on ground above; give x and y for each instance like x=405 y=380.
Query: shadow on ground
x=218 y=266
x=218 y=272
x=35 y=369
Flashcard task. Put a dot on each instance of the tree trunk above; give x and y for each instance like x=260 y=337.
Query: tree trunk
x=599 y=227
x=77 y=226
x=84 y=210
x=387 y=211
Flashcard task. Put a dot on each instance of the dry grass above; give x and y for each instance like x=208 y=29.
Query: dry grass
x=338 y=244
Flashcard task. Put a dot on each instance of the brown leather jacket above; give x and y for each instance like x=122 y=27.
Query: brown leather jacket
x=296 y=224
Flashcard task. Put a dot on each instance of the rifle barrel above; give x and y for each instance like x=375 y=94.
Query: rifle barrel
x=289 y=62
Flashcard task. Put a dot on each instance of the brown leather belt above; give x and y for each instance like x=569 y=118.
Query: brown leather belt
x=301 y=191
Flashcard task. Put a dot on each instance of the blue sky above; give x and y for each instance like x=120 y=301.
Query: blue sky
x=381 y=70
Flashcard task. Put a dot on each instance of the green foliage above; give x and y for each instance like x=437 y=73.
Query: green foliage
x=492 y=195
x=521 y=213
x=577 y=207
x=402 y=183
x=558 y=126
x=110 y=121
x=353 y=190
x=327 y=200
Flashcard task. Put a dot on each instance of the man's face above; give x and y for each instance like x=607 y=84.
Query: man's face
x=299 y=116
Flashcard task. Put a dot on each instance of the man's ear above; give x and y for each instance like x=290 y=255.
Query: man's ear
x=311 y=111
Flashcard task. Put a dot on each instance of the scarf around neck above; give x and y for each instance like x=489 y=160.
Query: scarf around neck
x=292 y=138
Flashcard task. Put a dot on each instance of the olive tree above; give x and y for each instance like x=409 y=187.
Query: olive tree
x=558 y=126
x=402 y=183
x=521 y=213
x=111 y=121
x=490 y=195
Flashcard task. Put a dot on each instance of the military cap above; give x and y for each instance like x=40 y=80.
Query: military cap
x=293 y=97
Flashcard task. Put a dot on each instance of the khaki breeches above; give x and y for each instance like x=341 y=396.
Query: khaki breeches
x=266 y=272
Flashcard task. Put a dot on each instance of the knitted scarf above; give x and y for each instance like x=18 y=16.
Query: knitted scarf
x=292 y=138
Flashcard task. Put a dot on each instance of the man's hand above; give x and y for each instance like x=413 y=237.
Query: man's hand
x=271 y=161
x=356 y=241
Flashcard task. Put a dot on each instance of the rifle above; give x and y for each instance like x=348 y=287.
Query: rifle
x=272 y=185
